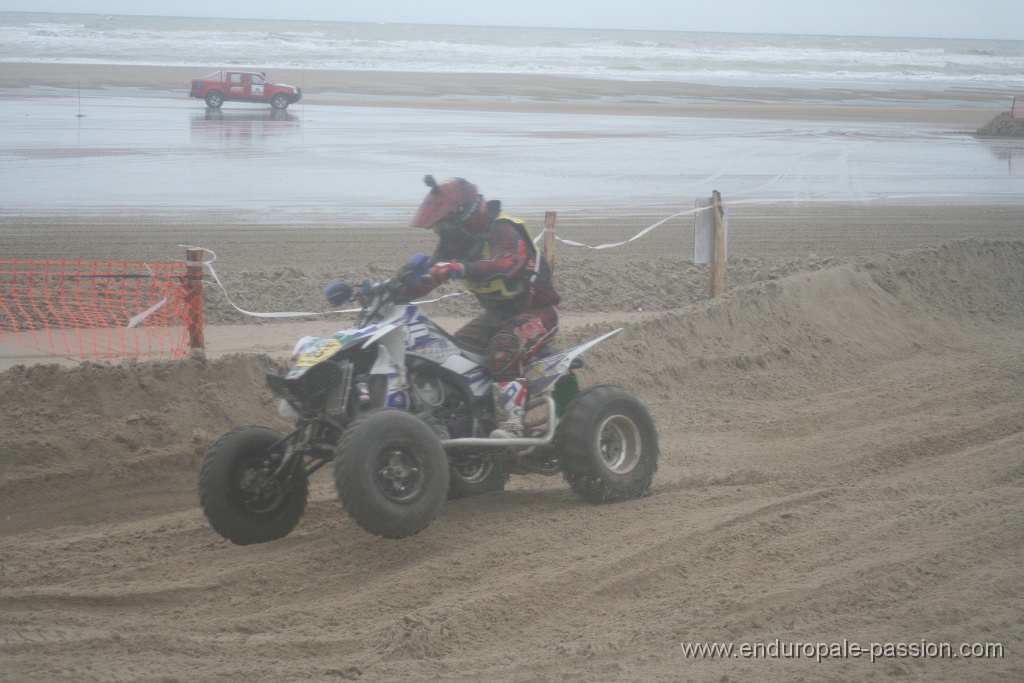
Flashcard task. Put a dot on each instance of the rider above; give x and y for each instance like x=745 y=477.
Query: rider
x=496 y=259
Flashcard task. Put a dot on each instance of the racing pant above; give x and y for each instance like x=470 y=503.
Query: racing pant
x=509 y=342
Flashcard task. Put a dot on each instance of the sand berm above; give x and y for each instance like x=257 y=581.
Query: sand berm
x=841 y=460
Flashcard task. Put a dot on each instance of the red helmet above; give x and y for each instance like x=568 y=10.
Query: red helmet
x=452 y=202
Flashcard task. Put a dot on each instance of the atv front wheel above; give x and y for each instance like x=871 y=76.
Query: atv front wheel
x=608 y=445
x=243 y=503
x=214 y=99
x=391 y=473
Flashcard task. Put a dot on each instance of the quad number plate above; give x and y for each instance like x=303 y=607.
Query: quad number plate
x=323 y=351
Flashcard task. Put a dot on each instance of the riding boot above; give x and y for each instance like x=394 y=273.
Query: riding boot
x=509 y=408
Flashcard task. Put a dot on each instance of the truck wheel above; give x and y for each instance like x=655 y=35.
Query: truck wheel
x=214 y=99
x=608 y=445
x=233 y=490
x=279 y=102
x=391 y=473
x=476 y=479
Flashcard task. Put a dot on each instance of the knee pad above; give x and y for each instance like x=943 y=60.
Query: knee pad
x=505 y=356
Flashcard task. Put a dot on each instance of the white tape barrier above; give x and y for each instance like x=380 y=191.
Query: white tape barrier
x=304 y=313
x=139 y=317
x=285 y=314
x=571 y=243
x=637 y=236
x=734 y=202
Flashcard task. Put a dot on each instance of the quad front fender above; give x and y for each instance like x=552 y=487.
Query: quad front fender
x=390 y=363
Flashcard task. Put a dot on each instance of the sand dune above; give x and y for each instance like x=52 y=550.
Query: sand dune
x=841 y=460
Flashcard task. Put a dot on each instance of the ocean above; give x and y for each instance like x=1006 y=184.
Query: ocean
x=723 y=58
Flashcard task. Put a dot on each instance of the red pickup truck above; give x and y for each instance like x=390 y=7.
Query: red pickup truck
x=242 y=86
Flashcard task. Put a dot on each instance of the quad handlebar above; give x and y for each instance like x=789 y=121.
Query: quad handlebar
x=374 y=295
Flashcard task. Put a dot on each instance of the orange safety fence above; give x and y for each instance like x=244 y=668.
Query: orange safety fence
x=98 y=311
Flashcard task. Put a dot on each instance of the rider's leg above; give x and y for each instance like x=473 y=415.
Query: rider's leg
x=513 y=345
x=509 y=408
x=476 y=335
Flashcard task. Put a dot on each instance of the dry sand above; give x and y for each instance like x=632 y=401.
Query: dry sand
x=842 y=460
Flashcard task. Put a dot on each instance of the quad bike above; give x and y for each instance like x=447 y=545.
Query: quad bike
x=404 y=414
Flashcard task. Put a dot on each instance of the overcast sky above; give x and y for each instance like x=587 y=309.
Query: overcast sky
x=1003 y=19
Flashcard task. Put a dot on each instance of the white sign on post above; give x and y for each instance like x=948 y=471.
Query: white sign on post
x=704 y=231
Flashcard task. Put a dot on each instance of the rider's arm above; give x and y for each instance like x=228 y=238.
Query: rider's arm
x=427 y=284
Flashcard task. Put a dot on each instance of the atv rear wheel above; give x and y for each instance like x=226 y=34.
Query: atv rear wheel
x=391 y=473
x=608 y=445
x=237 y=494
x=476 y=479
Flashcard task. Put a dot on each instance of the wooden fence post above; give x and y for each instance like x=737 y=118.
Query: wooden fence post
x=549 y=239
x=194 y=283
x=716 y=284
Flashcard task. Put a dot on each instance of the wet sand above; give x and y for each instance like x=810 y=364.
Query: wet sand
x=356 y=144
x=960 y=107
